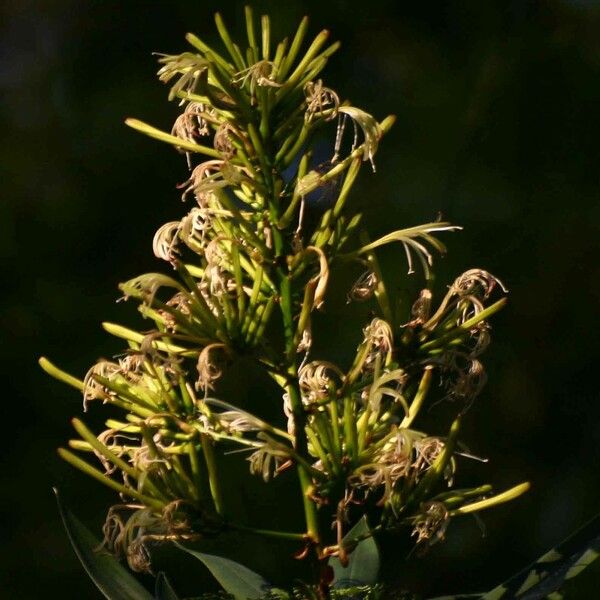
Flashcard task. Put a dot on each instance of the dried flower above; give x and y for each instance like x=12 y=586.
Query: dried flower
x=380 y=340
x=431 y=524
x=316 y=380
x=261 y=74
x=208 y=372
x=364 y=287
x=92 y=389
x=321 y=101
x=165 y=241
x=193 y=122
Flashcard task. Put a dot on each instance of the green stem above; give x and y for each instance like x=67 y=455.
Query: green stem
x=350 y=431
x=282 y=535
x=251 y=32
x=310 y=509
x=264 y=319
x=465 y=327
x=196 y=468
x=510 y=494
x=86 y=468
x=227 y=41
x=381 y=294
x=335 y=429
x=59 y=374
x=213 y=476
x=420 y=396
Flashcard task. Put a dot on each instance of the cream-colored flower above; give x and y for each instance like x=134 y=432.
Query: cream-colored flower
x=321 y=101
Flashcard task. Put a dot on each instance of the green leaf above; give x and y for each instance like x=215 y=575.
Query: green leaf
x=553 y=573
x=236 y=579
x=111 y=578
x=585 y=585
x=163 y=589
x=363 y=564
x=550 y=573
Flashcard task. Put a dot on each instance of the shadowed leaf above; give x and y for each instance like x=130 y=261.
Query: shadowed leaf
x=363 y=562
x=547 y=576
x=110 y=577
x=236 y=579
x=163 y=589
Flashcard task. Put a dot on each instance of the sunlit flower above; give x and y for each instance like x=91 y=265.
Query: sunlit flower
x=164 y=243
x=378 y=335
x=261 y=74
x=321 y=101
x=187 y=66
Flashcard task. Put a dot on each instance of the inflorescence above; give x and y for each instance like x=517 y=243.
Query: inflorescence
x=248 y=272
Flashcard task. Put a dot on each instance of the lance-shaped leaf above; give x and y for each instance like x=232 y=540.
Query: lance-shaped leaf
x=551 y=573
x=236 y=579
x=547 y=576
x=163 y=589
x=112 y=579
x=363 y=562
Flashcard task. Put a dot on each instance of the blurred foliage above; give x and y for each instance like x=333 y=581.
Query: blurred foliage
x=495 y=102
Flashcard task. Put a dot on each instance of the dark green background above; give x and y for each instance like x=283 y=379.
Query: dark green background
x=496 y=106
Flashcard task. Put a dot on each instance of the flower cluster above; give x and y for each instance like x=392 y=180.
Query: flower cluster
x=248 y=272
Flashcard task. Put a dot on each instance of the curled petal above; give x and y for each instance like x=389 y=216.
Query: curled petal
x=92 y=390
x=420 y=309
x=165 y=241
x=316 y=380
x=381 y=389
x=431 y=524
x=208 y=372
x=470 y=381
x=370 y=127
x=192 y=123
x=261 y=74
x=380 y=339
x=470 y=281
x=223 y=140
x=427 y=449
x=144 y=287
x=203 y=180
x=364 y=287
x=414 y=240
x=321 y=101
x=321 y=279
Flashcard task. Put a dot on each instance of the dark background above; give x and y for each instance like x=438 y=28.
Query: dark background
x=496 y=104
